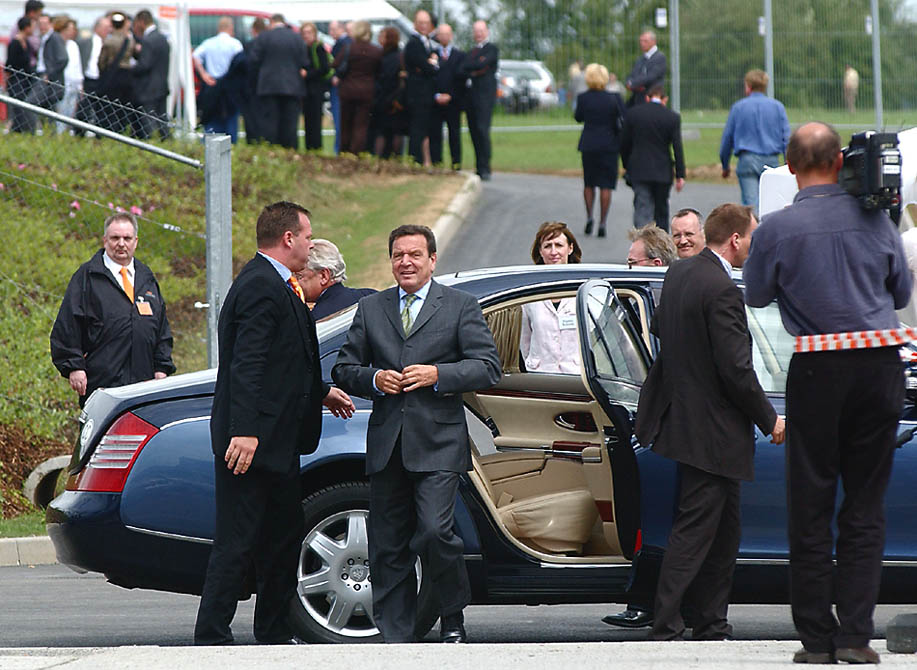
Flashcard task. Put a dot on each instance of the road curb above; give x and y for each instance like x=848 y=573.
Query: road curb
x=27 y=551
x=457 y=212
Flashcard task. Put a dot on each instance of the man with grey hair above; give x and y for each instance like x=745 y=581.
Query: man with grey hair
x=112 y=329
x=648 y=71
x=651 y=246
x=322 y=281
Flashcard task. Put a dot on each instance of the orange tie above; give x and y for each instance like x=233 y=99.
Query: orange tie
x=297 y=289
x=128 y=287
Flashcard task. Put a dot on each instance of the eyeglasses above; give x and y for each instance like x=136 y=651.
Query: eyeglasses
x=631 y=262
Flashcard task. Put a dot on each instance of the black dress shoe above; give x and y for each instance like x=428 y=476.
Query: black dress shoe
x=452 y=628
x=485 y=176
x=601 y=232
x=818 y=657
x=857 y=655
x=589 y=225
x=630 y=618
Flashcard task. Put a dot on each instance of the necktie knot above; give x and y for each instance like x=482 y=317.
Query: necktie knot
x=297 y=289
x=407 y=321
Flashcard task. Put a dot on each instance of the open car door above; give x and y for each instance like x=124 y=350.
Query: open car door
x=615 y=364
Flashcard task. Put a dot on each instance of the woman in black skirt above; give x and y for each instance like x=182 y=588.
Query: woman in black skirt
x=602 y=114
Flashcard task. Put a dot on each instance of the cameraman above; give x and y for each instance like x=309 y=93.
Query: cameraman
x=834 y=268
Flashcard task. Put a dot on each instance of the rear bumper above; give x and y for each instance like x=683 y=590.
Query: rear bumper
x=88 y=536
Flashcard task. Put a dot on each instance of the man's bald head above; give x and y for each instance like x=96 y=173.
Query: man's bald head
x=444 y=34
x=479 y=31
x=814 y=147
x=422 y=22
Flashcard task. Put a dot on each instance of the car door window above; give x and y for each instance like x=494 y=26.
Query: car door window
x=616 y=361
x=772 y=347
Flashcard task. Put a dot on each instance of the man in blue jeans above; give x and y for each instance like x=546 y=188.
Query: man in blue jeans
x=757 y=131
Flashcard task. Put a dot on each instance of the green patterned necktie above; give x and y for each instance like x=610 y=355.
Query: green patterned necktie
x=406 y=320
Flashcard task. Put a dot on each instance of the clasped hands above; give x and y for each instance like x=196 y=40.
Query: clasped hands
x=778 y=434
x=413 y=377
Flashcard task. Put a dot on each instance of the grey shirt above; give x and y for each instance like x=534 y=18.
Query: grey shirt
x=832 y=266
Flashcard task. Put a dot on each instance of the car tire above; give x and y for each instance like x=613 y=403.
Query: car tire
x=333 y=600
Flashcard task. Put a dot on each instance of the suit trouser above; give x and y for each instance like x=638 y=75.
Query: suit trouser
x=312 y=117
x=411 y=514
x=842 y=415
x=479 y=116
x=150 y=117
x=651 y=203
x=280 y=114
x=451 y=115
x=43 y=94
x=700 y=557
x=420 y=122
x=259 y=521
x=354 y=124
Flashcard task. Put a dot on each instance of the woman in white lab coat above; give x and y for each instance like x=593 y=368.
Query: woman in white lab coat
x=549 y=341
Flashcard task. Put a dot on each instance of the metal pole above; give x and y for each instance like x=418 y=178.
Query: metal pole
x=124 y=139
x=877 y=66
x=675 y=37
x=769 y=46
x=218 y=179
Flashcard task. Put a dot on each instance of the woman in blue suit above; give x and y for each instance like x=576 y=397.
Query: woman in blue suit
x=602 y=114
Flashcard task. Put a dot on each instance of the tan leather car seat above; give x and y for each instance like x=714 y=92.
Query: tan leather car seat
x=559 y=522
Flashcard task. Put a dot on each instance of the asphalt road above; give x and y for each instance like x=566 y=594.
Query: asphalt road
x=51 y=606
x=502 y=226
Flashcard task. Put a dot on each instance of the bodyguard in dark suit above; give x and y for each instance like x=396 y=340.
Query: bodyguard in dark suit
x=421 y=63
x=651 y=135
x=415 y=349
x=280 y=54
x=266 y=412
x=481 y=68
x=448 y=99
x=151 y=77
x=648 y=71
x=697 y=407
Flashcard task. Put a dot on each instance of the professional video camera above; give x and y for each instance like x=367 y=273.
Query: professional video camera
x=872 y=171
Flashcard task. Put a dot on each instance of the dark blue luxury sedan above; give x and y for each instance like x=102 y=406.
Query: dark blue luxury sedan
x=561 y=506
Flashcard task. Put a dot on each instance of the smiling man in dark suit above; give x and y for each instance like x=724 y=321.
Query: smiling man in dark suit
x=651 y=135
x=481 y=68
x=697 y=407
x=421 y=63
x=415 y=349
x=267 y=410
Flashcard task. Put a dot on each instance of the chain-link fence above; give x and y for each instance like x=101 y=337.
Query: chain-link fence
x=718 y=41
x=60 y=177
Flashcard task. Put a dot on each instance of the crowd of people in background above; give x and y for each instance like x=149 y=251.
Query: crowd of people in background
x=378 y=93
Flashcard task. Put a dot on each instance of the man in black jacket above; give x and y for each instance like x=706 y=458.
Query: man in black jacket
x=267 y=410
x=651 y=134
x=481 y=67
x=151 y=77
x=697 y=407
x=448 y=99
x=111 y=328
x=322 y=281
x=48 y=89
x=648 y=71
x=280 y=54
x=422 y=63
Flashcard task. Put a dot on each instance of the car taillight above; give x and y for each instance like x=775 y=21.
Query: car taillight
x=112 y=459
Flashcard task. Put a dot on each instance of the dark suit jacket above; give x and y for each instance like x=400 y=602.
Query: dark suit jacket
x=449 y=332
x=337 y=297
x=269 y=381
x=701 y=396
x=421 y=75
x=481 y=67
x=644 y=74
x=359 y=81
x=649 y=132
x=279 y=54
x=55 y=56
x=451 y=77
x=603 y=115
x=151 y=73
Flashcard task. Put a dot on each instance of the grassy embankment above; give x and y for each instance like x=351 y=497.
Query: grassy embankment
x=46 y=237
x=554 y=151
